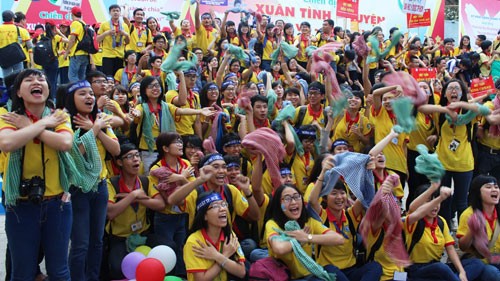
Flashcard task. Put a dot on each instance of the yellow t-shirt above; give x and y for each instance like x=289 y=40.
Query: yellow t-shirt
x=121 y=224
x=309 y=117
x=139 y=38
x=132 y=77
x=268 y=48
x=62 y=62
x=341 y=256
x=156 y=124
x=195 y=264
x=102 y=152
x=8 y=34
x=184 y=124
x=426 y=126
x=397 y=191
x=32 y=165
x=394 y=152
x=240 y=203
x=484 y=68
x=302 y=54
x=463 y=228
x=487 y=140
x=204 y=38
x=78 y=31
x=460 y=160
x=388 y=265
x=301 y=169
x=183 y=165
x=431 y=246
x=162 y=76
x=342 y=131
x=108 y=50
x=191 y=39
x=296 y=269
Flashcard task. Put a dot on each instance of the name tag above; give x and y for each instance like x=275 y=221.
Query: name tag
x=140 y=44
x=400 y=276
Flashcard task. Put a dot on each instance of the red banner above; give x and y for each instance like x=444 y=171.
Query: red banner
x=414 y=21
x=424 y=74
x=348 y=9
x=482 y=86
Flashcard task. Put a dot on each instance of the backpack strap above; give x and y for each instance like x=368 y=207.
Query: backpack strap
x=300 y=117
x=495 y=233
x=145 y=183
x=419 y=232
x=114 y=181
x=376 y=246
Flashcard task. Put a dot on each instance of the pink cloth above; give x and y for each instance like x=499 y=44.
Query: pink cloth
x=477 y=225
x=321 y=64
x=409 y=85
x=209 y=146
x=393 y=240
x=360 y=47
x=164 y=187
x=244 y=99
x=267 y=142
x=494 y=130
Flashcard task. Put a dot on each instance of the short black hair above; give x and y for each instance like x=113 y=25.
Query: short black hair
x=114 y=6
x=257 y=98
x=8 y=16
x=95 y=74
x=138 y=10
x=481 y=37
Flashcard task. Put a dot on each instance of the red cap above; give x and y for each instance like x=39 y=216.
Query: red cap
x=66 y=23
x=51 y=22
x=97 y=25
x=166 y=29
x=76 y=11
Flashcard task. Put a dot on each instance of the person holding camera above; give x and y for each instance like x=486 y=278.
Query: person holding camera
x=39 y=211
x=454 y=135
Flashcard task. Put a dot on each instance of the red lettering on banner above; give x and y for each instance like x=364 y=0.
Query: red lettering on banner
x=371 y=19
x=482 y=86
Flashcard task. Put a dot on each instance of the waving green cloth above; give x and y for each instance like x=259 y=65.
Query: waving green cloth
x=402 y=108
x=171 y=63
x=466 y=118
x=13 y=173
x=375 y=46
x=171 y=15
x=301 y=255
x=288 y=113
x=166 y=123
x=89 y=165
x=428 y=164
x=289 y=51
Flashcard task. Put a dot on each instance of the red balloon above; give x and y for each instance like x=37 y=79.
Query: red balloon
x=150 y=270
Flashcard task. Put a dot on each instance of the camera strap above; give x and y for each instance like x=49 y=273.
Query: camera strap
x=42 y=148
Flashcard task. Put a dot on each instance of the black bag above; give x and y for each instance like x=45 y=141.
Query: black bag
x=42 y=52
x=12 y=53
x=89 y=42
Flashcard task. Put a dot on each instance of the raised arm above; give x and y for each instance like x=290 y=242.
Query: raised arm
x=180 y=194
x=383 y=143
x=427 y=207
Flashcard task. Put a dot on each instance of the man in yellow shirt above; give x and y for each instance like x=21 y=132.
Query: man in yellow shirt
x=8 y=35
x=205 y=32
x=78 y=59
x=141 y=39
x=113 y=35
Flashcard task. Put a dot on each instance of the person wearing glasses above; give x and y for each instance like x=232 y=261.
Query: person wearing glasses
x=154 y=116
x=130 y=195
x=185 y=97
x=287 y=207
x=99 y=84
x=212 y=250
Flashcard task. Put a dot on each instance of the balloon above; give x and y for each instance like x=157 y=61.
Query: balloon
x=150 y=269
x=143 y=250
x=164 y=254
x=130 y=263
x=172 y=278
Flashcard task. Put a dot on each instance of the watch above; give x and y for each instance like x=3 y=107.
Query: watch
x=309 y=238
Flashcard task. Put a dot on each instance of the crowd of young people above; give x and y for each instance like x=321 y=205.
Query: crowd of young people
x=227 y=159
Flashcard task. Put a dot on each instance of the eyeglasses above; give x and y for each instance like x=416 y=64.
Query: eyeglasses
x=288 y=198
x=132 y=156
x=198 y=53
x=314 y=93
x=191 y=76
x=100 y=81
x=155 y=86
x=456 y=88
x=217 y=206
x=206 y=17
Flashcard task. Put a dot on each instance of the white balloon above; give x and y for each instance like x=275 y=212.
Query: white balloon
x=165 y=255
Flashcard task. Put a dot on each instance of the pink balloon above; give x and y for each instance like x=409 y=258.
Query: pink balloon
x=150 y=270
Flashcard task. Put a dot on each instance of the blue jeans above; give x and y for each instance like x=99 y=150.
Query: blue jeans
x=440 y=271
x=77 y=67
x=458 y=202
x=89 y=217
x=491 y=273
x=51 y=73
x=62 y=72
x=371 y=271
x=30 y=225
x=327 y=268
x=258 y=254
x=12 y=69
x=173 y=228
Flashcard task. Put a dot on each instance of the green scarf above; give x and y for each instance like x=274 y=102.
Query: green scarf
x=13 y=173
x=288 y=113
x=88 y=165
x=402 y=108
x=466 y=118
x=166 y=124
x=301 y=255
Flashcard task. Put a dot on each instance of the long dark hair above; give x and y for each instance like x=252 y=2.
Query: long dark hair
x=317 y=167
x=48 y=30
x=275 y=212
x=475 y=200
x=461 y=45
x=164 y=139
x=193 y=140
x=240 y=34
x=146 y=81
x=204 y=95
x=68 y=100
x=18 y=102
x=199 y=221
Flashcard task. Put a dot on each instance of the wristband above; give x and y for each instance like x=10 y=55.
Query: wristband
x=249 y=196
x=224 y=263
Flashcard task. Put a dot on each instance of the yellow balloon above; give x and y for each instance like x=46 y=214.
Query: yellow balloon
x=143 y=250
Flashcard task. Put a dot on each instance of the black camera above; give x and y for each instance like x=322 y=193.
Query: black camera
x=34 y=189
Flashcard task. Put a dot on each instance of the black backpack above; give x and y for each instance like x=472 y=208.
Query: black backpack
x=89 y=41
x=43 y=54
x=419 y=232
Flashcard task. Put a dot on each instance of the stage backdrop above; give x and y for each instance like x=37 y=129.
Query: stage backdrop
x=479 y=17
x=371 y=13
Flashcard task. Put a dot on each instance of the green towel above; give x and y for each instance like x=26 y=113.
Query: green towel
x=88 y=165
x=288 y=113
x=375 y=46
x=403 y=108
x=166 y=124
x=466 y=118
x=428 y=164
